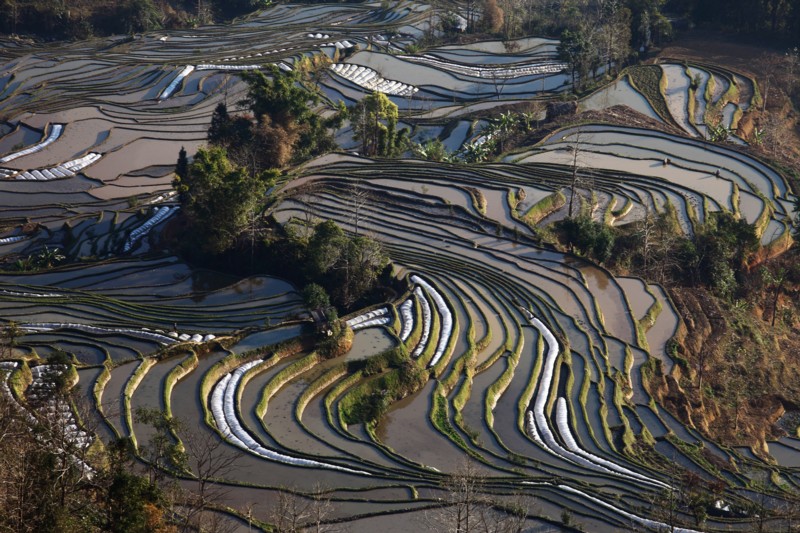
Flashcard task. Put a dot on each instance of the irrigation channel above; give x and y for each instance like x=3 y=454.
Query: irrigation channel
x=535 y=357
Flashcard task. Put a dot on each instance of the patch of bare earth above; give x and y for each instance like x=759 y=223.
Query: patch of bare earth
x=737 y=380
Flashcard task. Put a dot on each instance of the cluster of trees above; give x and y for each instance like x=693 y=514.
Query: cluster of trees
x=223 y=191
x=42 y=488
x=589 y=238
x=280 y=126
x=498 y=136
x=374 y=122
x=334 y=267
x=467 y=507
x=772 y=18
x=603 y=34
x=220 y=199
x=594 y=33
x=80 y=19
x=715 y=257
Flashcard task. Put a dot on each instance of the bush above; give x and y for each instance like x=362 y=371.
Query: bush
x=316 y=297
x=590 y=238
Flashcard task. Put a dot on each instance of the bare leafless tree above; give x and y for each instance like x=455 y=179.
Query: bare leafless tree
x=209 y=459
x=298 y=513
x=575 y=148
x=358 y=198
x=467 y=508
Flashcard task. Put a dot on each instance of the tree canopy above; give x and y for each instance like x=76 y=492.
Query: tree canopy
x=347 y=266
x=281 y=101
x=374 y=121
x=83 y=18
x=219 y=198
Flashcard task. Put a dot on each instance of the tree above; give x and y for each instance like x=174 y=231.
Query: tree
x=219 y=198
x=313 y=70
x=218 y=131
x=796 y=220
x=297 y=513
x=161 y=452
x=362 y=262
x=465 y=508
x=615 y=31
x=593 y=239
x=723 y=246
x=209 y=459
x=492 y=19
x=325 y=248
x=315 y=296
x=578 y=51
x=432 y=150
x=648 y=24
x=347 y=267
x=181 y=173
x=44 y=486
x=273 y=144
x=575 y=148
x=133 y=505
x=141 y=16
x=775 y=282
x=358 y=200
x=9 y=337
x=288 y=105
x=374 y=121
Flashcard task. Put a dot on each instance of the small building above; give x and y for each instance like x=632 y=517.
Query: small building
x=321 y=323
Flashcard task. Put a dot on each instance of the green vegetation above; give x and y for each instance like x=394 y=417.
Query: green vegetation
x=346 y=266
x=81 y=19
x=433 y=150
x=43 y=489
x=219 y=199
x=589 y=238
x=222 y=191
x=392 y=376
x=716 y=256
x=647 y=79
x=544 y=207
x=374 y=121
x=281 y=127
x=282 y=101
x=440 y=418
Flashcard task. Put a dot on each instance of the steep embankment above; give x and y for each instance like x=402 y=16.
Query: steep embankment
x=737 y=377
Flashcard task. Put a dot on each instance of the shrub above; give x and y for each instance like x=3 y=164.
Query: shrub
x=590 y=238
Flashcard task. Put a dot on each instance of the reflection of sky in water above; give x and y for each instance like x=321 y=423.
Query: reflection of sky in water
x=266 y=338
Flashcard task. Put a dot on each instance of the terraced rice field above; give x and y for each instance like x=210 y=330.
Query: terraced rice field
x=695 y=98
x=644 y=170
x=534 y=358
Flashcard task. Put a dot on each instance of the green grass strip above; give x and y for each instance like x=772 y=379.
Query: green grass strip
x=175 y=375
x=130 y=388
x=315 y=387
x=335 y=393
x=440 y=418
x=544 y=207
x=499 y=387
x=282 y=378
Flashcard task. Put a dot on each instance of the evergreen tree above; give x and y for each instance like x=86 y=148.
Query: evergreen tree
x=374 y=122
x=219 y=198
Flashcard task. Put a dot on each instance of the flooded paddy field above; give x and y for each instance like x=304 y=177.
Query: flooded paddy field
x=533 y=359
